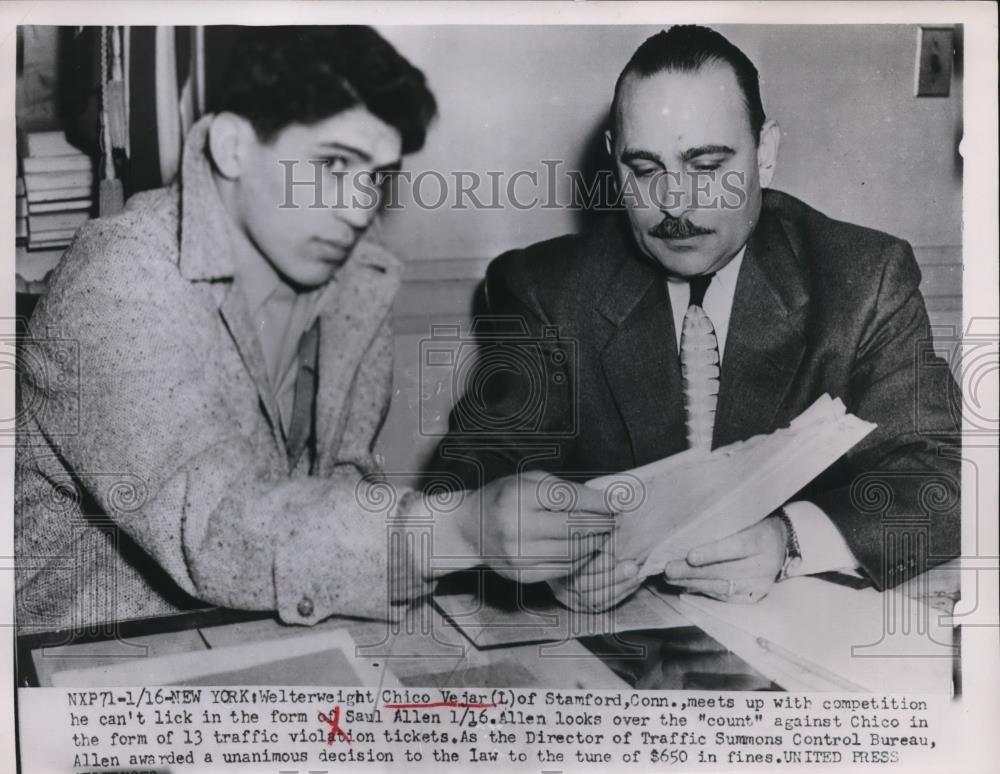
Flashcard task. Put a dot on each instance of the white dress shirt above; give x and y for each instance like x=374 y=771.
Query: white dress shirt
x=280 y=316
x=823 y=547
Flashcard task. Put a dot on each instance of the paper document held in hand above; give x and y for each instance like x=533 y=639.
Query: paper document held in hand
x=672 y=505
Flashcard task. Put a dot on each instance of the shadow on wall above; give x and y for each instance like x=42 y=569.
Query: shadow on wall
x=596 y=175
x=958 y=83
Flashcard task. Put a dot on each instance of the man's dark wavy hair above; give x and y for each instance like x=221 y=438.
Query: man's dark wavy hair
x=278 y=76
x=687 y=48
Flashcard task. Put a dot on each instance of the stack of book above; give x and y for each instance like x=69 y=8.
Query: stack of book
x=21 y=214
x=58 y=183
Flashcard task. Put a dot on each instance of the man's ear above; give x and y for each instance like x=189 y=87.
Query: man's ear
x=767 y=152
x=228 y=142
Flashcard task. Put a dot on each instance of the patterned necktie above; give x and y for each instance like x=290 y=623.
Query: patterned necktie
x=699 y=367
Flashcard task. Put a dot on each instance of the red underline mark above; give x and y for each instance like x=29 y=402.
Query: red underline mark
x=432 y=704
x=333 y=721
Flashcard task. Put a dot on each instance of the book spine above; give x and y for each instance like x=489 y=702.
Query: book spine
x=72 y=205
x=41 y=181
x=51 y=239
x=48 y=144
x=56 y=194
x=72 y=163
x=54 y=221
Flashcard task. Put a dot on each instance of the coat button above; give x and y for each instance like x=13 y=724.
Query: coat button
x=305 y=607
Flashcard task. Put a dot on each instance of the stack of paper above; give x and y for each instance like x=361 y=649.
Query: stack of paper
x=695 y=497
x=492 y=611
x=811 y=635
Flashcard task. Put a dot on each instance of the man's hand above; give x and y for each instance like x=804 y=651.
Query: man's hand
x=738 y=568
x=533 y=526
x=598 y=585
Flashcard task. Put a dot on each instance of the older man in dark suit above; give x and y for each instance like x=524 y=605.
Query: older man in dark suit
x=713 y=312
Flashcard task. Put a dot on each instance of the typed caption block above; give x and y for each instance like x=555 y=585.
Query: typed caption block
x=314 y=730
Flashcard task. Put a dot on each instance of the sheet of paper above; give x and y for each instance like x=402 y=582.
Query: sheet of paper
x=324 y=658
x=811 y=635
x=695 y=497
x=76 y=657
x=492 y=612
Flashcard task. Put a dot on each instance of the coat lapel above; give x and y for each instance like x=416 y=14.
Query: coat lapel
x=348 y=323
x=764 y=347
x=206 y=254
x=640 y=359
x=766 y=338
x=234 y=313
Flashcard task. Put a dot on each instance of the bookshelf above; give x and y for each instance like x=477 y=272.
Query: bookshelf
x=55 y=196
x=72 y=110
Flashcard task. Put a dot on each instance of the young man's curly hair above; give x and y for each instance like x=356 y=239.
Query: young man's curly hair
x=279 y=76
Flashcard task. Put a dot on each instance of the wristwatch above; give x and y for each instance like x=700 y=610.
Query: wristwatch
x=793 y=554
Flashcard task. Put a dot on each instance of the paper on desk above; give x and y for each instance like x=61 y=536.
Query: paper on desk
x=323 y=658
x=812 y=635
x=491 y=612
x=695 y=497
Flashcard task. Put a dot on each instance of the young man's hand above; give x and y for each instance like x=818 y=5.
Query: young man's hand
x=532 y=526
x=738 y=568
x=600 y=584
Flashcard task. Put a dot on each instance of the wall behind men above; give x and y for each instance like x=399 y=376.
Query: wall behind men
x=856 y=143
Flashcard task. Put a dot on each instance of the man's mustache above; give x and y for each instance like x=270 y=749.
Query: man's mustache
x=676 y=228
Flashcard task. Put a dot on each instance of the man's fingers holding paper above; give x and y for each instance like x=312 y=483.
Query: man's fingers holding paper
x=744 y=590
x=737 y=546
x=747 y=567
x=537 y=521
x=741 y=565
x=599 y=585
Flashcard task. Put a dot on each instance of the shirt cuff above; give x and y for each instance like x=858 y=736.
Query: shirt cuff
x=823 y=547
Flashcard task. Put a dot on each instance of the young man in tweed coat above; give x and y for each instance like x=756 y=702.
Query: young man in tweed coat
x=205 y=379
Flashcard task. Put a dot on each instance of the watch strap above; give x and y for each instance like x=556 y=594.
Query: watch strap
x=793 y=552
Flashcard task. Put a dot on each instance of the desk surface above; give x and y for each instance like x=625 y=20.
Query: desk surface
x=426 y=650
x=423 y=649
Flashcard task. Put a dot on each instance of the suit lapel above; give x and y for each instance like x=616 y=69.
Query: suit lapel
x=766 y=338
x=237 y=318
x=640 y=359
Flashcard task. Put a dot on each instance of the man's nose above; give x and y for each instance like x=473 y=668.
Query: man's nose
x=359 y=208
x=672 y=193
x=356 y=216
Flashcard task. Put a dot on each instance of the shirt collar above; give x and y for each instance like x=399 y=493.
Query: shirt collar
x=725 y=278
x=727 y=275
x=259 y=282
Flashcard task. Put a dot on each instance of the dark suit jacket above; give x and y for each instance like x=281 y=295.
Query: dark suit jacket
x=582 y=375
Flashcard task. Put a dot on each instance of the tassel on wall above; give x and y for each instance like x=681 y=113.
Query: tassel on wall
x=110 y=191
x=115 y=99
